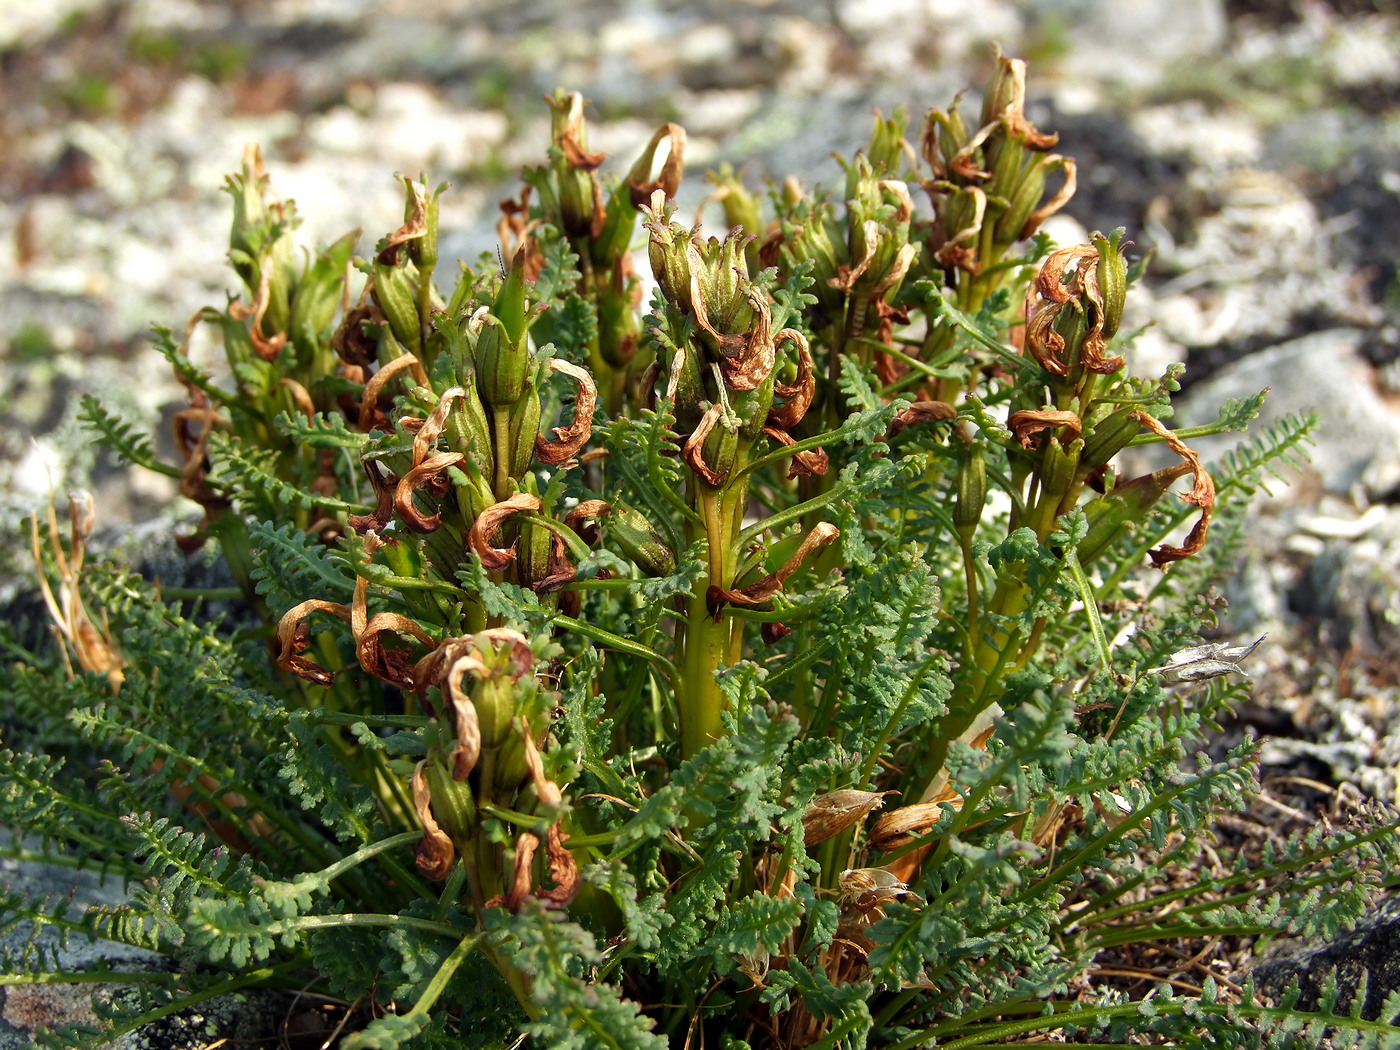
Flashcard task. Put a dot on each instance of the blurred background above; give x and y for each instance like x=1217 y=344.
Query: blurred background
x=1251 y=146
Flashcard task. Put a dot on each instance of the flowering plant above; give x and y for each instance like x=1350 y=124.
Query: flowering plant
x=774 y=664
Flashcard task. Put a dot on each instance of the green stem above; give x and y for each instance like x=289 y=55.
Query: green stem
x=699 y=697
x=1091 y=608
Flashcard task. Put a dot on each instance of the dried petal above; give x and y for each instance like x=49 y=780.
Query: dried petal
x=353 y=344
x=264 y=346
x=435 y=852
x=576 y=434
x=796 y=397
x=921 y=412
x=901 y=826
x=562 y=867
x=415 y=226
x=763 y=589
x=753 y=353
x=293 y=636
x=1202 y=495
x=483 y=530
x=380 y=378
x=848 y=275
x=299 y=396
x=467 y=748
x=589 y=509
x=382 y=480
x=525 y=845
x=1058 y=201
x=693 y=450
x=964 y=163
x=425 y=473
x=1028 y=422
x=668 y=181
x=425 y=440
x=809 y=463
x=865 y=888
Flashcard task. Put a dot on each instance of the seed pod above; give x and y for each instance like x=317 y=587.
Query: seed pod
x=1120 y=510
x=710 y=450
x=502 y=351
x=396 y=293
x=830 y=814
x=501 y=365
x=642 y=543
x=468 y=428
x=573 y=166
x=453 y=804
x=752 y=407
x=511 y=769
x=972 y=490
x=886 y=149
x=1024 y=197
x=402 y=557
x=1112 y=279
x=685 y=385
x=535 y=544
x=1107 y=438
x=524 y=431
x=1058 y=466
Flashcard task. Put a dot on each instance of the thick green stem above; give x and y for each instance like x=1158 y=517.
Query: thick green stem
x=701 y=703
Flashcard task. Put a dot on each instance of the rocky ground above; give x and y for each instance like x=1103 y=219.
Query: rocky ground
x=1253 y=146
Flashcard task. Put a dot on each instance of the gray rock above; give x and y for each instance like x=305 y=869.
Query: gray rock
x=247 y=1018
x=1113 y=34
x=1358 y=437
x=1370 y=952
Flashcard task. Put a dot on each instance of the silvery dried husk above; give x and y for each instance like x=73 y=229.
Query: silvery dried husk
x=901 y=826
x=830 y=814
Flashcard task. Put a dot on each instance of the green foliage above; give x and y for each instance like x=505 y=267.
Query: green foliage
x=778 y=667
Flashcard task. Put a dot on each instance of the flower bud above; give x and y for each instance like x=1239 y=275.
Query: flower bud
x=250 y=216
x=1007 y=93
x=741 y=207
